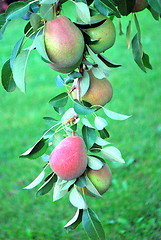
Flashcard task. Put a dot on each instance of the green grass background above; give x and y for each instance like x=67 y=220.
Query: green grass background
x=131 y=208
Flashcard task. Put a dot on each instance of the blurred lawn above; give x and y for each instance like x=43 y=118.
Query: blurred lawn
x=131 y=209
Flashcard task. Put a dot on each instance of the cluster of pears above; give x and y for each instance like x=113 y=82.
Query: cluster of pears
x=64 y=41
x=69 y=161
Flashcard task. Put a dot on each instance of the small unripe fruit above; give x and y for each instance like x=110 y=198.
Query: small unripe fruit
x=64 y=44
x=101 y=179
x=105 y=33
x=140 y=5
x=100 y=91
x=69 y=160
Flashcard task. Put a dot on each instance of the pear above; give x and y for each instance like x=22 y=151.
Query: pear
x=105 y=34
x=64 y=44
x=99 y=92
x=68 y=159
x=101 y=179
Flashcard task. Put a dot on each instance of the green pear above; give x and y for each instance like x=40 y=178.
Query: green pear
x=105 y=34
x=140 y=5
x=99 y=92
x=101 y=179
x=64 y=44
x=68 y=159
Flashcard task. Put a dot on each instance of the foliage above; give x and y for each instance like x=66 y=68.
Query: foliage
x=13 y=74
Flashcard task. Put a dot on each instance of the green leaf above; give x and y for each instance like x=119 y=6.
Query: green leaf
x=60 y=100
x=48 y=1
x=47 y=186
x=146 y=61
x=125 y=6
x=40 y=47
x=89 y=136
x=59 y=81
x=16 y=10
x=83 y=12
x=2 y=19
x=101 y=141
x=86 y=122
x=16 y=51
x=58 y=192
x=35 y=21
x=137 y=26
x=84 y=83
x=106 y=8
x=156 y=5
x=92 y=225
x=155 y=14
x=77 y=199
x=114 y=115
x=46 y=12
x=91 y=188
x=70 y=78
x=104 y=133
x=19 y=69
x=128 y=34
x=75 y=221
x=99 y=62
x=80 y=109
x=36 y=181
x=112 y=154
x=7 y=77
x=100 y=123
x=94 y=163
x=50 y=121
x=108 y=62
x=37 y=150
x=138 y=52
x=81 y=181
x=98 y=73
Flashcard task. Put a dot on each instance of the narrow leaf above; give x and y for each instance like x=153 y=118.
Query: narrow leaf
x=114 y=115
x=75 y=221
x=36 y=181
x=84 y=83
x=58 y=192
x=92 y=225
x=83 y=12
x=19 y=69
x=86 y=122
x=16 y=51
x=46 y=12
x=106 y=8
x=47 y=186
x=91 y=188
x=16 y=10
x=77 y=199
x=112 y=154
x=101 y=141
x=156 y=5
x=128 y=34
x=100 y=123
x=89 y=136
x=60 y=100
x=104 y=133
x=138 y=52
x=37 y=150
x=108 y=62
x=7 y=77
x=146 y=61
x=80 y=109
x=94 y=163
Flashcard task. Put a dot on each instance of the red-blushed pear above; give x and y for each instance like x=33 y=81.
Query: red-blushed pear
x=140 y=5
x=69 y=160
x=105 y=34
x=101 y=179
x=64 y=44
x=100 y=91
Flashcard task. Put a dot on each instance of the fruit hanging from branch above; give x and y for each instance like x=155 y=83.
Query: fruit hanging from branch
x=68 y=159
x=64 y=44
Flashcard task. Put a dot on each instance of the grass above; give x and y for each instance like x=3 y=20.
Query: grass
x=131 y=209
